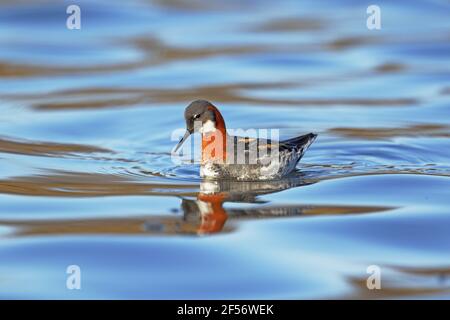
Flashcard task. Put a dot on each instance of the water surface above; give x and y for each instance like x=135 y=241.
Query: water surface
x=86 y=175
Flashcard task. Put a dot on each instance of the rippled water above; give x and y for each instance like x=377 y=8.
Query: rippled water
x=86 y=176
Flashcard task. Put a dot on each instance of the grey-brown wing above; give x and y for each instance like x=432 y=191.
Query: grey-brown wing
x=246 y=146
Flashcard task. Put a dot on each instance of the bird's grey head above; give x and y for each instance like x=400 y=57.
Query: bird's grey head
x=198 y=115
x=200 y=112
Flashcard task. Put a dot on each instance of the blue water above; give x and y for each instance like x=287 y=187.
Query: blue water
x=87 y=179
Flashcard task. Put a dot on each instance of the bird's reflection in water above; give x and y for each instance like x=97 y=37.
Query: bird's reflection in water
x=203 y=213
x=206 y=213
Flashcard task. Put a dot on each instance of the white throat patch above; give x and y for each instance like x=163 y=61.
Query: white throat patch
x=208 y=127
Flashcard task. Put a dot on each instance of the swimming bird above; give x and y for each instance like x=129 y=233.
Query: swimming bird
x=239 y=157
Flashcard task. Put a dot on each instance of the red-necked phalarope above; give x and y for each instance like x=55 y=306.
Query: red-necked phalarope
x=241 y=158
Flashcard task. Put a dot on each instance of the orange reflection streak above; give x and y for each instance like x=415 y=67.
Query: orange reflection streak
x=214 y=217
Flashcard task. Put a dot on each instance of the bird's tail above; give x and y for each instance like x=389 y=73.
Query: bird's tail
x=300 y=142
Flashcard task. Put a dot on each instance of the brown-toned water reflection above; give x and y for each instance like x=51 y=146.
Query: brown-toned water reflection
x=405 y=282
x=201 y=214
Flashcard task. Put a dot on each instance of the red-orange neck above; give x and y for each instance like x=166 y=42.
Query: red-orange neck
x=214 y=144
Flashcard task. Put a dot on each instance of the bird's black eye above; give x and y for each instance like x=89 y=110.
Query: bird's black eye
x=196 y=116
